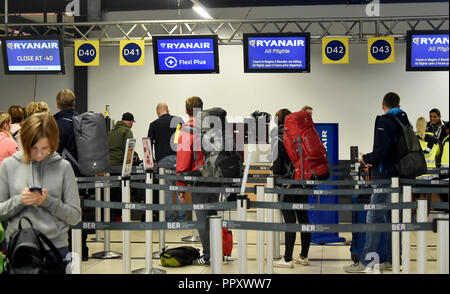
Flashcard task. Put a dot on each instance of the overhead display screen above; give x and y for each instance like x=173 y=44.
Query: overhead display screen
x=427 y=51
x=284 y=52
x=25 y=55
x=185 y=54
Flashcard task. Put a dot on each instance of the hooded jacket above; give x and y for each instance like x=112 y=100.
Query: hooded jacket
x=117 y=141
x=61 y=207
x=387 y=133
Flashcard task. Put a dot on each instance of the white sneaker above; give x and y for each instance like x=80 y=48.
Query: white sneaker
x=284 y=263
x=302 y=260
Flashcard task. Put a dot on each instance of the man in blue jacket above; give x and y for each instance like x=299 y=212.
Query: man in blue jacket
x=67 y=148
x=382 y=161
x=65 y=102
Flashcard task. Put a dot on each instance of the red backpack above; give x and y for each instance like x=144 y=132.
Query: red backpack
x=311 y=159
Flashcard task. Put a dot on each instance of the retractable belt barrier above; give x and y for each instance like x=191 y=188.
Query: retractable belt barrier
x=127 y=226
x=327 y=228
x=231 y=185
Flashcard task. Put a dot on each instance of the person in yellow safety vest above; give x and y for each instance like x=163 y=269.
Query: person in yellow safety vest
x=429 y=144
x=445 y=150
x=444 y=160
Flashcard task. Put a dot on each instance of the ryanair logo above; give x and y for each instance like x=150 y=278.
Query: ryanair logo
x=32 y=45
x=430 y=41
x=277 y=43
x=203 y=45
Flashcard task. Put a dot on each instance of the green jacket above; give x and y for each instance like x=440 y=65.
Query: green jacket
x=2 y=257
x=117 y=141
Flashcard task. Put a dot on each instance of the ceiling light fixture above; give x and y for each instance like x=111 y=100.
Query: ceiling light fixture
x=198 y=7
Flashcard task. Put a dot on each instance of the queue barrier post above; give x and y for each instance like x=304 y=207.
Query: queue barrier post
x=98 y=214
x=76 y=251
x=270 y=234
x=395 y=235
x=107 y=253
x=443 y=246
x=422 y=209
x=149 y=269
x=242 y=241
x=277 y=219
x=260 y=234
x=406 y=236
x=126 y=213
x=162 y=215
x=215 y=237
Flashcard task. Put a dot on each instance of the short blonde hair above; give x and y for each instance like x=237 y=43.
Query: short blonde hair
x=36 y=127
x=193 y=102
x=306 y=107
x=421 y=126
x=35 y=107
x=65 y=99
x=5 y=118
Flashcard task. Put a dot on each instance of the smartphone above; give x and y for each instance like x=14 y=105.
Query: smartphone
x=32 y=189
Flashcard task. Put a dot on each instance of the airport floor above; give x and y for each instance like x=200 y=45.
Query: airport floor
x=323 y=259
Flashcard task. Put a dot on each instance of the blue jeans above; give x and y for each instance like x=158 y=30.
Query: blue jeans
x=373 y=238
x=169 y=162
x=64 y=251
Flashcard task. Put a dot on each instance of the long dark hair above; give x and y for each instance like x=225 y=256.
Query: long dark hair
x=281 y=115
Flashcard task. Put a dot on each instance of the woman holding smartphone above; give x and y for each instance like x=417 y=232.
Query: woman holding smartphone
x=39 y=184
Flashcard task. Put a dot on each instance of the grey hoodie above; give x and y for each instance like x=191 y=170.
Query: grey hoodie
x=59 y=210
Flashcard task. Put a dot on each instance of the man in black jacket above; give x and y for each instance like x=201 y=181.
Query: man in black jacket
x=382 y=161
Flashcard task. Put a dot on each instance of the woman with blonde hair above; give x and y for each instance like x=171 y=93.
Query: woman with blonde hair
x=55 y=203
x=8 y=145
x=36 y=107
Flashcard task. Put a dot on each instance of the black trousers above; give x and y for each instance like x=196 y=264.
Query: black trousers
x=291 y=217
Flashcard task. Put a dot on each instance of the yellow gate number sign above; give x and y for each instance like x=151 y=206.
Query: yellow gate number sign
x=335 y=50
x=132 y=52
x=87 y=53
x=381 y=50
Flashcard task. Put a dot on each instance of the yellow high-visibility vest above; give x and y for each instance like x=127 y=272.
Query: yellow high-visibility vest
x=430 y=157
x=445 y=150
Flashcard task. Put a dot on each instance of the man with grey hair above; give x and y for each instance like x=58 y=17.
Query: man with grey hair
x=161 y=133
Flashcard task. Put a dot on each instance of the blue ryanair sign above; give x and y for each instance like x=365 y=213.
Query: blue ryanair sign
x=185 y=54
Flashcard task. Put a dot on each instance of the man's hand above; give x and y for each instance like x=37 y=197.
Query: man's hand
x=361 y=160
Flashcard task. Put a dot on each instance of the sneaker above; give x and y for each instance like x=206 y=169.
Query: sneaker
x=284 y=263
x=387 y=266
x=357 y=268
x=302 y=260
x=201 y=261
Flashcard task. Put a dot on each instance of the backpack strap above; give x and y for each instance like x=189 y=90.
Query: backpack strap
x=15 y=133
x=60 y=259
x=66 y=154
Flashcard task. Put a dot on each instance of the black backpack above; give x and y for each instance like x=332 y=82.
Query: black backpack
x=408 y=152
x=179 y=256
x=219 y=151
x=26 y=253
